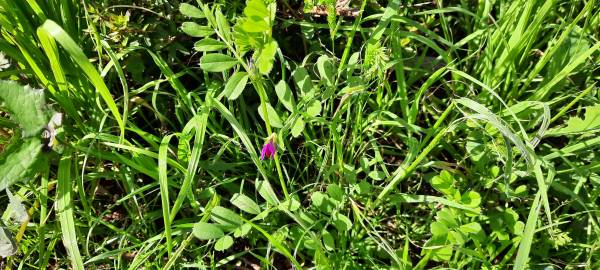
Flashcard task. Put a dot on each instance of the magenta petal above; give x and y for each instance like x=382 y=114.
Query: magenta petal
x=272 y=150
x=263 y=152
x=268 y=150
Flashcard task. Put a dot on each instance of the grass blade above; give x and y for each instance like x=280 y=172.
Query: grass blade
x=64 y=208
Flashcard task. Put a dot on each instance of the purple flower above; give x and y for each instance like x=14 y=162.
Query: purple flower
x=269 y=149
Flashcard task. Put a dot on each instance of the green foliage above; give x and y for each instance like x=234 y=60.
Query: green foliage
x=207 y=231
x=253 y=32
x=589 y=123
x=437 y=135
x=27 y=108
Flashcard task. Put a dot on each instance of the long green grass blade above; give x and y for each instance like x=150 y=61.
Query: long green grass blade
x=65 y=208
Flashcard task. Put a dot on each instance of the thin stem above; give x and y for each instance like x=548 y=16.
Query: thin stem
x=573 y=102
x=401 y=173
x=263 y=100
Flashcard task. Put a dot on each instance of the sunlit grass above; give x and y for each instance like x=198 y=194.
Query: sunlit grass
x=408 y=135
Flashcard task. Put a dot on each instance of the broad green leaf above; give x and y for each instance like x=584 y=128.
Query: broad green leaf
x=590 y=122
x=471 y=198
x=335 y=192
x=26 y=105
x=245 y=203
x=224 y=243
x=472 y=227
x=290 y=205
x=217 y=62
x=191 y=11
x=265 y=58
x=266 y=192
x=328 y=240
x=363 y=187
x=342 y=222
x=306 y=219
x=322 y=202
x=443 y=183
x=326 y=69
x=256 y=10
x=304 y=83
x=207 y=231
x=195 y=30
x=442 y=254
x=28 y=109
x=235 y=85
x=298 y=127
x=284 y=93
x=447 y=216
x=254 y=26
x=314 y=108
x=226 y=217
x=242 y=231
x=317 y=198
x=257 y=15
x=18 y=160
x=439 y=229
x=209 y=45
x=273 y=117
x=457 y=238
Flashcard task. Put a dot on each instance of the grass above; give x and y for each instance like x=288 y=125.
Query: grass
x=434 y=135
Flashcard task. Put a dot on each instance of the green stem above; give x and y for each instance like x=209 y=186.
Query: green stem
x=573 y=102
x=346 y=53
x=263 y=100
x=401 y=173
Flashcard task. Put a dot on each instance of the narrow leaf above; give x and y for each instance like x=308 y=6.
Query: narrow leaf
x=217 y=62
x=195 y=30
x=209 y=45
x=284 y=93
x=191 y=11
x=235 y=85
x=245 y=203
